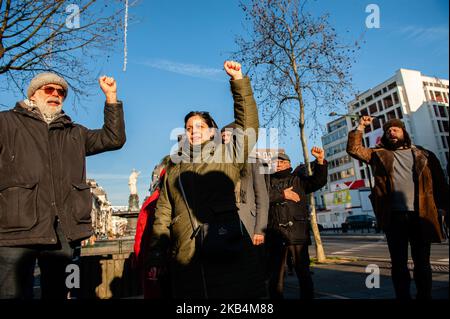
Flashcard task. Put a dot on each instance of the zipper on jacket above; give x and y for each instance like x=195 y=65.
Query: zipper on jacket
x=13 y=155
x=53 y=203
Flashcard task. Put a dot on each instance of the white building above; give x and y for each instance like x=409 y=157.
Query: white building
x=422 y=102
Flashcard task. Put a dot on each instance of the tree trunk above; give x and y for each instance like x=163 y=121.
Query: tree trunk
x=320 y=253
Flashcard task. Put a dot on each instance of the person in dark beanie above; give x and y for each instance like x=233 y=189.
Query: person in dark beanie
x=288 y=226
x=409 y=187
x=45 y=203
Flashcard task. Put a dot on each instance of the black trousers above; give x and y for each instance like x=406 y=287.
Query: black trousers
x=17 y=265
x=277 y=257
x=404 y=229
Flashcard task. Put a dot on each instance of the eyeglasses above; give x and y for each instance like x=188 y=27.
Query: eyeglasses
x=49 y=91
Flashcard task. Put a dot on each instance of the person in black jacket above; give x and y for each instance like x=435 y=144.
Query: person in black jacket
x=45 y=203
x=288 y=226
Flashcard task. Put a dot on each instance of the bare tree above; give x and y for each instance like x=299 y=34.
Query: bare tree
x=59 y=36
x=298 y=67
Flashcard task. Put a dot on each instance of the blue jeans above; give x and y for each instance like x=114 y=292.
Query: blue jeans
x=17 y=265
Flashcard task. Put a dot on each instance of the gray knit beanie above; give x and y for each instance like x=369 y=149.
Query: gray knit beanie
x=43 y=79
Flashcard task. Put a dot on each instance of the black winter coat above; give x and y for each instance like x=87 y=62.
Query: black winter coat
x=43 y=173
x=289 y=221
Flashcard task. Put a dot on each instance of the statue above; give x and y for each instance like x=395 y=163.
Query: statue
x=132 y=181
x=133 y=201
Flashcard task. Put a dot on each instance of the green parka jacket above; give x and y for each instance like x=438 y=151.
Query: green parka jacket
x=210 y=182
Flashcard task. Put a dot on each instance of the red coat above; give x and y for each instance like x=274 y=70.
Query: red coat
x=144 y=224
x=152 y=289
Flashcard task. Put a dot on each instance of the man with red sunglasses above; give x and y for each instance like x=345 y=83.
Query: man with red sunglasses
x=45 y=203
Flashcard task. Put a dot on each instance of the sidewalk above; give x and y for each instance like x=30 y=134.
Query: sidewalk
x=347 y=280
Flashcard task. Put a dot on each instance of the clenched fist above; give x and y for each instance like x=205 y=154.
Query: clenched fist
x=233 y=69
x=318 y=153
x=109 y=87
x=364 y=121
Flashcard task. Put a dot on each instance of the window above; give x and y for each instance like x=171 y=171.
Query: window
x=436 y=110
x=369 y=98
x=377 y=93
x=442 y=110
x=445 y=126
x=391 y=115
x=376 y=123
x=399 y=113
x=395 y=95
x=387 y=101
x=380 y=106
x=439 y=97
x=363 y=112
x=367 y=129
x=373 y=108
x=392 y=85
x=444 y=141
x=431 y=96
x=351 y=172
x=363 y=175
x=384 y=90
x=382 y=120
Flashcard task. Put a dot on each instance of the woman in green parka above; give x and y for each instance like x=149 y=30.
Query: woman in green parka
x=198 y=201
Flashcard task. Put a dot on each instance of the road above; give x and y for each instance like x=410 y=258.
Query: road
x=370 y=246
x=350 y=255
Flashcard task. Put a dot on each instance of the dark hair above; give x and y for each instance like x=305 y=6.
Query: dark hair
x=204 y=115
x=406 y=140
x=230 y=126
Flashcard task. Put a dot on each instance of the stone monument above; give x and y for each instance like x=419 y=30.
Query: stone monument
x=133 y=200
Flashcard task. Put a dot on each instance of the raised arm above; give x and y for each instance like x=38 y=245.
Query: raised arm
x=319 y=178
x=112 y=135
x=355 y=147
x=245 y=110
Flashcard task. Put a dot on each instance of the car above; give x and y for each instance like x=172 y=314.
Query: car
x=359 y=222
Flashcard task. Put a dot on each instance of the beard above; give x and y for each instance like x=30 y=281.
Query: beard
x=48 y=110
x=394 y=144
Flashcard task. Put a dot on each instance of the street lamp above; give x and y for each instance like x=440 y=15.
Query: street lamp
x=352 y=116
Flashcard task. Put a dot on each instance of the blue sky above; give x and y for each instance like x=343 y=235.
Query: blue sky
x=176 y=51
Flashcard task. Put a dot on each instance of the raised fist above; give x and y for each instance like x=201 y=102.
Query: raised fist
x=318 y=153
x=365 y=121
x=109 y=87
x=233 y=69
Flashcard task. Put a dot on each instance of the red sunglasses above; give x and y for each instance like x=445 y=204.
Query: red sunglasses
x=49 y=91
